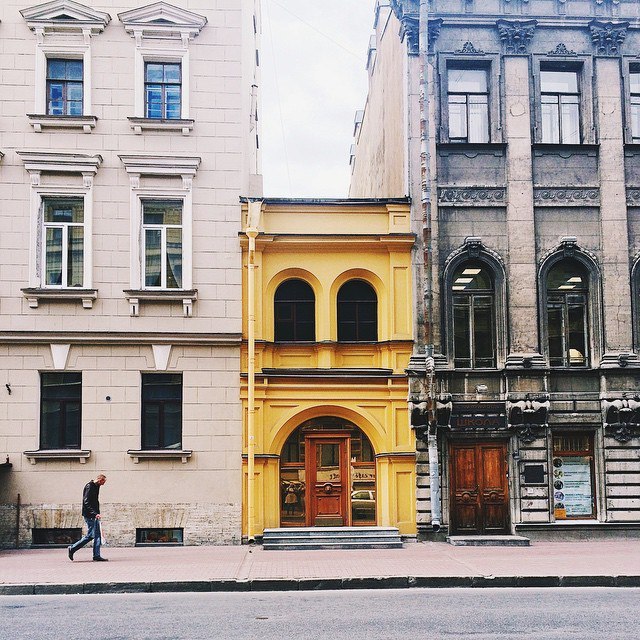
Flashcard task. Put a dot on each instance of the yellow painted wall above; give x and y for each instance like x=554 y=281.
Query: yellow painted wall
x=326 y=245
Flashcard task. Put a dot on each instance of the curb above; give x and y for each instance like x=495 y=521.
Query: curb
x=319 y=584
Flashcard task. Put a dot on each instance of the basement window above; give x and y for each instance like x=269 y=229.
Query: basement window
x=55 y=537
x=152 y=537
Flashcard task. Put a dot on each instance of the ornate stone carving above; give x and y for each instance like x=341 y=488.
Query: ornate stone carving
x=561 y=50
x=528 y=415
x=516 y=35
x=410 y=29
x=473 y=247
x=614 y=2
x=444 y=407
x=472 y=196
x=633 y=196
x=569 y=248
x=608 y=36
x=557 y=196
x=621 y=416
x=469 y=48
x=434 y=31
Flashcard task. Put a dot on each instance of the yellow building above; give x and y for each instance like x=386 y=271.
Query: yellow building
x=327 y=335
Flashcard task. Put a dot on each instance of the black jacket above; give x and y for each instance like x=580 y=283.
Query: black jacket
x=90 y=504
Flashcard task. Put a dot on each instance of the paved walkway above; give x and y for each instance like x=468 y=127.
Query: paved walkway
x=614 y=562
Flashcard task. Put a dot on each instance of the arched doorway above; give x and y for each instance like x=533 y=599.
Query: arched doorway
x=327 y=475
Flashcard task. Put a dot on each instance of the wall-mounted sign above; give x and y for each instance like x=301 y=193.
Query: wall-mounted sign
x=478 y=421
x=572 y=487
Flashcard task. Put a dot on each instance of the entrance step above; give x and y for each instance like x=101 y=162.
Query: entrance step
x=488 y=541
x=296 y=538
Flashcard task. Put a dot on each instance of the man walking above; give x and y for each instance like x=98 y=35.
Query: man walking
x=91 y=514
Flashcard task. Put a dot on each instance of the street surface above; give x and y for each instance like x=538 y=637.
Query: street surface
x=549 y=614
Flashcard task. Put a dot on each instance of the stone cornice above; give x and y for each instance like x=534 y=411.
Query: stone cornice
x=119 y=338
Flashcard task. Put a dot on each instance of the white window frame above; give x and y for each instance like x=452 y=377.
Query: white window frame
x=162 y=33
x=163 y=245
x=63 y=29
x=65 y=241
x=84 y=167
x=185 y=168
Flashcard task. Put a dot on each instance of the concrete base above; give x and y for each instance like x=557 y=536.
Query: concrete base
x=579 y=530
x=296 y=538
x=488 y=541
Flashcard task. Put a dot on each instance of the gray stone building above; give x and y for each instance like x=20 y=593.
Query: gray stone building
x=525 y=183
x=127 y=134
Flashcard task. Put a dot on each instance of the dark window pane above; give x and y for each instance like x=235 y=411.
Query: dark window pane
x=472 y=276
x=461 y=336
x=150 y=426
x=294 y=312
x=60 y=410
x=357 y=312
x=577 y=336
x=162 y=410
x=483 y=333
x=556 y=336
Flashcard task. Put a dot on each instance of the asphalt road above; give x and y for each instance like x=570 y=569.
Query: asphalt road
x=565 y=614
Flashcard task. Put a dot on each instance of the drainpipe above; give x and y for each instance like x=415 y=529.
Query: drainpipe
x=425 y=169
x=255 y=209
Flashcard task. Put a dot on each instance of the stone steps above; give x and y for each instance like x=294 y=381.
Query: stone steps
x=488 y=541
x=296 y=538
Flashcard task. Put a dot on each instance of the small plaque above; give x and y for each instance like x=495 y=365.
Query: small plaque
x=533 y=474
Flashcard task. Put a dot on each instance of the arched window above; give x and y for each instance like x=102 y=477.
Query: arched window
x=294 y=312
x=567 y=318
x=474 y=326
x=357 y=312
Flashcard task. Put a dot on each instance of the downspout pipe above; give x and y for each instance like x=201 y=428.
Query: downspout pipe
x=251 y=231
x=425 y=168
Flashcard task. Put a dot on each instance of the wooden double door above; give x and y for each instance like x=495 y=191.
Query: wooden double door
x=479 y=488
x=328 y=473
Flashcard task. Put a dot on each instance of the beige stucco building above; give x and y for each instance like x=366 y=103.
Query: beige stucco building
x=127 y=134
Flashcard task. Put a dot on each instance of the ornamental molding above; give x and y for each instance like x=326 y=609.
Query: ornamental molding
x=516 y=35
x=162 y=20
x=473 y=248
x=601 y=2
x=568 y=248
x=65 y=15
x=621 y=416
x=633 y=196
x=558 y=196
x=410 y=29
x=434 y=27
x=561 y=50
x=138 y=165
x=608 y=37
x=472 y=196
x=37 y=162
x=528 y=415
x=468 y=48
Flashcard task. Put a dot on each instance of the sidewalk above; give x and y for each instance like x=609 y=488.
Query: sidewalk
x=614 y=562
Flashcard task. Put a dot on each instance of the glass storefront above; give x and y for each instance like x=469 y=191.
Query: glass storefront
x=573 y=476
x=361 y=483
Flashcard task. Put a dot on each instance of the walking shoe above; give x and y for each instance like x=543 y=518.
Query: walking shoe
x=70 y=553
x=101 y=559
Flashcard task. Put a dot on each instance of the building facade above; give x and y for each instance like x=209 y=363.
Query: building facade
x=127 y=134
x=327 y=336
x=525 y=203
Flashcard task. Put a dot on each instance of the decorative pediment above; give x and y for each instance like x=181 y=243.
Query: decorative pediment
x=162 y=20
x=65 y=15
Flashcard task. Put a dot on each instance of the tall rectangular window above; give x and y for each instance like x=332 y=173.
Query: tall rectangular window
x=64 y=87
x=162 y=237
x=634 y=84
x=60 y=410
x=560 y=106
x=163 y=90
x=63 y=242
x=468 y=101
x=161 y=410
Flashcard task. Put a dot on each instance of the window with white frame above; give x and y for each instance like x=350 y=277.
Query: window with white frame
x=468 y=104
x=63 y=31
x=162 y=238
x=63 y=242
x=162 y=34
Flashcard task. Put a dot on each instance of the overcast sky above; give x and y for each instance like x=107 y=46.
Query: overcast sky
x=312 y=58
